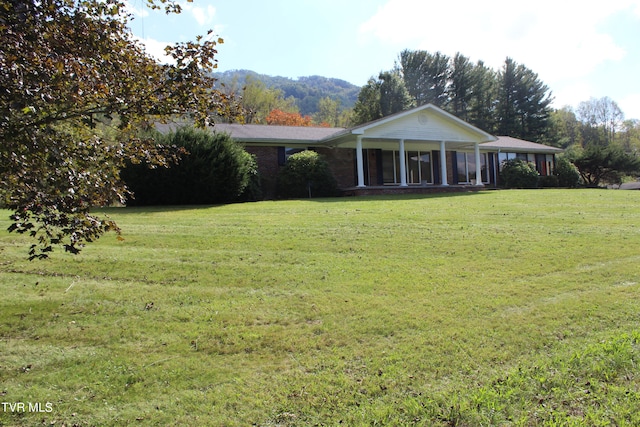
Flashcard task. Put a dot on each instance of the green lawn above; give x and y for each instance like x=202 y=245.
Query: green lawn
x=491 y=308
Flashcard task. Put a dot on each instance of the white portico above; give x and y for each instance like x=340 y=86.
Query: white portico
x=412 y=147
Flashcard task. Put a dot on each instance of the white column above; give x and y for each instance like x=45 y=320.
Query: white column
x=476 y=147
x=403 y=165
x=443 y=164
x=359 y=161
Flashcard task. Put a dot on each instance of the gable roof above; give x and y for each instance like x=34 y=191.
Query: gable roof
x=426 y=123
x=423 y=114
x=507 y=143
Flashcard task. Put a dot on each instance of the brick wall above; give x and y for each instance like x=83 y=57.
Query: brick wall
x=267 y=159
x=341 y=162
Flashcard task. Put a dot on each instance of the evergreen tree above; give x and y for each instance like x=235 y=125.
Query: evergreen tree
x=425 y=76
x=523 y=102
x=382 y=97
x=482 y=108
x=367 y=106
x=461 y=88
x=394 y=96
x=506 y=100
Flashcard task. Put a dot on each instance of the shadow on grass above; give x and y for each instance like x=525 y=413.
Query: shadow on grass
x=140 y=210
x=391 y=197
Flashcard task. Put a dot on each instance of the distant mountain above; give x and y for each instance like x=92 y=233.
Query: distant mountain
x=307 y=91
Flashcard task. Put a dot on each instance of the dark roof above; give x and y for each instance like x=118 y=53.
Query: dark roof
x=264 y=133
x=304 y=135
x=505 y=143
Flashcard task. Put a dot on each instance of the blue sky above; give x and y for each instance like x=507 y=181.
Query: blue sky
x=579 y=49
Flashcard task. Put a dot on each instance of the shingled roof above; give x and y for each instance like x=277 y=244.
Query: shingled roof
x=507 y=143
x=276 y=134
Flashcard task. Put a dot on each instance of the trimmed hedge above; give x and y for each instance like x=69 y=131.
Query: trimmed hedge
x=517 y=173
x=568 y=175
x=306 y=174
x=215 y=170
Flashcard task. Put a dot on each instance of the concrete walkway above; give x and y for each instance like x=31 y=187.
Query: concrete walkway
x=630 y=186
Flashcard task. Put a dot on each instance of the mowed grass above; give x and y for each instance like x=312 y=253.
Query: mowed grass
x=491 y=308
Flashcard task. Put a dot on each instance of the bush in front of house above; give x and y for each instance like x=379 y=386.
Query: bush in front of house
x=215 y=170
x=568 y=175
x=548 y=181
x=253 y=191
x=306 y=174
x=517 y=173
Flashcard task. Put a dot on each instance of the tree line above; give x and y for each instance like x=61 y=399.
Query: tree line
x=512 y=101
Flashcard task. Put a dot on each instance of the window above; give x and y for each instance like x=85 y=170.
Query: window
x=503 y=157
x=466 y=164
x=419 y=167
x=549 y=163
x=390 y=167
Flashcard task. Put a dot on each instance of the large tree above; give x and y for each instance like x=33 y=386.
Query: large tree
x=564 y=128
x=258 y=101
x=328 y=112
x=367 y=107
x=482 y=107
x=394 y=96
x=629 y=137
x=523 y=102
x=601 y=118
x=609 y=164
x=462 y=85
x=425 y=76
x=381 y=97
x=65 y=66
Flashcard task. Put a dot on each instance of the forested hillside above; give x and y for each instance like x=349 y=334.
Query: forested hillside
x=307 y=91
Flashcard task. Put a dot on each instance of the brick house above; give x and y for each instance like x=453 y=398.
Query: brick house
x=420 y=150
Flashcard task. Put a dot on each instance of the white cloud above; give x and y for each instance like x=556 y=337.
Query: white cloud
x=630 y=105
x=557 y=39
x=572 y=94
x=141 y=11
x=155 y=48
x=203 y=15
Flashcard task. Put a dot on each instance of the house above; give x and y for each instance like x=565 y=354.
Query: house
x=420 y=150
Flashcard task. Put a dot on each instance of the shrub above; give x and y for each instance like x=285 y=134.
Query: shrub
x=597 y=164
x=306 y=174
x=253 y=190
x=517 y=173
x=215 y=170
x=548 y=181
x=568 y=175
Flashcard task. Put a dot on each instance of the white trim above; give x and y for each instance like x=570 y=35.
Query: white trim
x=443 y=164
x=479 y=183
x=403 y=165
x=359 y=161
x=360 y=130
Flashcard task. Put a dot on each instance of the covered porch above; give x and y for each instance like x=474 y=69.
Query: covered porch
x=422 y=148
